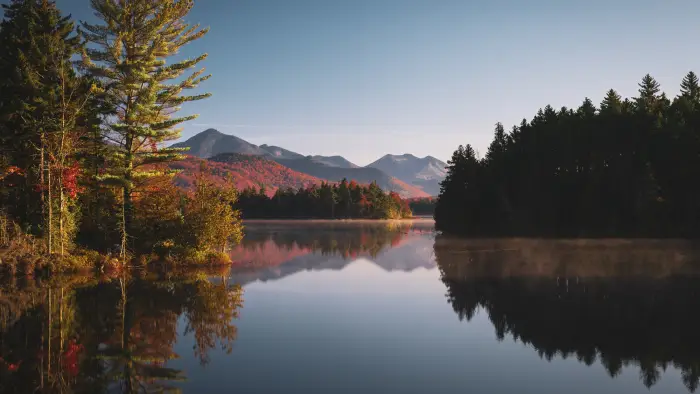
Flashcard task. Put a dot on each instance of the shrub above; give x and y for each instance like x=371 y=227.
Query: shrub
x=211 y=222
x=158 y=216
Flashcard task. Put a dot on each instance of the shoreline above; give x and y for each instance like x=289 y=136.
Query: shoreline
x=426 y=219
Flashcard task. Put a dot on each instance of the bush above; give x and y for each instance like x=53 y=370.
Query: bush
x=211 y=222
x=158 y=216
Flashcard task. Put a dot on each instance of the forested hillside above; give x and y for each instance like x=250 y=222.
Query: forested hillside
x=244 y=171
x=361 y=174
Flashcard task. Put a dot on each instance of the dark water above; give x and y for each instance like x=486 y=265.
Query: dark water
x=368 y=308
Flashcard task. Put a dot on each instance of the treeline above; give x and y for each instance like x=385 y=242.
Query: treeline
x=629 y=167
x=344 y=200
x=82 y=156
x=422 y=205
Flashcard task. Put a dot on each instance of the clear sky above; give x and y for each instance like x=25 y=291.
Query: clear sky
x=362 y=78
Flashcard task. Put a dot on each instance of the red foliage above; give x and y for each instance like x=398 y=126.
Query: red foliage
x=69 y=359
x=364 y=202
x=11 y=367
x=407 y=190
x=250 y=171
x=70 y=180
x=253 y=171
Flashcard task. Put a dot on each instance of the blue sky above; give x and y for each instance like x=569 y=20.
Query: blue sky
x=363 y=78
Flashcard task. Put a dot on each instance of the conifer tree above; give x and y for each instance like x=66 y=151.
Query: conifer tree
x=130 y=55
x=648 y=94
x=612 y=102
x=43 y=112
x=690 y=87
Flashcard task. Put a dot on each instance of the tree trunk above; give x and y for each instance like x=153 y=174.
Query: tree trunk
x=60 y=220
x=50 y=234
x=127 y=216
x=42 y=171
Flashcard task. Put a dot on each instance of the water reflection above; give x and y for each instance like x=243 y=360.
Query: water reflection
x=341 y=325
x=274 y=251
x=624 y=303
x=111 y=334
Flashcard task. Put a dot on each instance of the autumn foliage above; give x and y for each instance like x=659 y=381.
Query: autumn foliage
x=243 y=171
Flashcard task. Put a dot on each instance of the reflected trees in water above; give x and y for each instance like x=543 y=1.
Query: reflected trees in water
x=116 y=334
x=622 y=303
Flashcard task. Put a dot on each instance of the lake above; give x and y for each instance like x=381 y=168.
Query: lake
x=312 y=307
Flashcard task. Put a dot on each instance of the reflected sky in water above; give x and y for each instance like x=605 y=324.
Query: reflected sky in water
x=375 y=309
x=348 y=325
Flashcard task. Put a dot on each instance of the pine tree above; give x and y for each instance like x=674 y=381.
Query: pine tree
x=498 y=146
x=612 y=102
x=648 y=94
x=132 y=46
x=46 y=107
x=690 y=87
x=19 y=141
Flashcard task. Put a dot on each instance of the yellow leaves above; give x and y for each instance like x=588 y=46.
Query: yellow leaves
x=96 y=89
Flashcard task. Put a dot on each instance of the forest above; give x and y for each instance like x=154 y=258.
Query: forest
x=627 y=168
x=343 y=200
x=422 y=205
x=85 y=113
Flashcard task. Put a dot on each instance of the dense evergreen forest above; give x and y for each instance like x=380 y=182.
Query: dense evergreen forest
x=85 y=113
x=422 y=206
x=629 y=167
x=327 y=201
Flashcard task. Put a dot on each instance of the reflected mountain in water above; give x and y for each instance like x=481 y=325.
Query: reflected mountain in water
x=111 y=335
x=273 y=251
x=623 y=303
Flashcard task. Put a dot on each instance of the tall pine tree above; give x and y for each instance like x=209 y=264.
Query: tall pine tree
x=43 y=114
x=130 y=53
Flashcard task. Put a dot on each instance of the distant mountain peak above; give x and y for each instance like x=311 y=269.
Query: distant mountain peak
x=211 y=142
x=426 y=172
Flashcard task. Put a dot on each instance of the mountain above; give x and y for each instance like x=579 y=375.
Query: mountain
x=359 y=174
x=211 y=142
x=334 y=161
x=280 y=153
x=425 y=173
x=246 y=170
x=276 y=152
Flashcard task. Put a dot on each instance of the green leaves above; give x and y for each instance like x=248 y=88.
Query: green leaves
x=129 y=57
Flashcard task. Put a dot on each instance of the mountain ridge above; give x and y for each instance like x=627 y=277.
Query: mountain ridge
x=419 y=177
x=426 y=172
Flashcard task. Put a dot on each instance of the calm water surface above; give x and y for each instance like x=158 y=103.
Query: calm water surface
x=369 y=308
